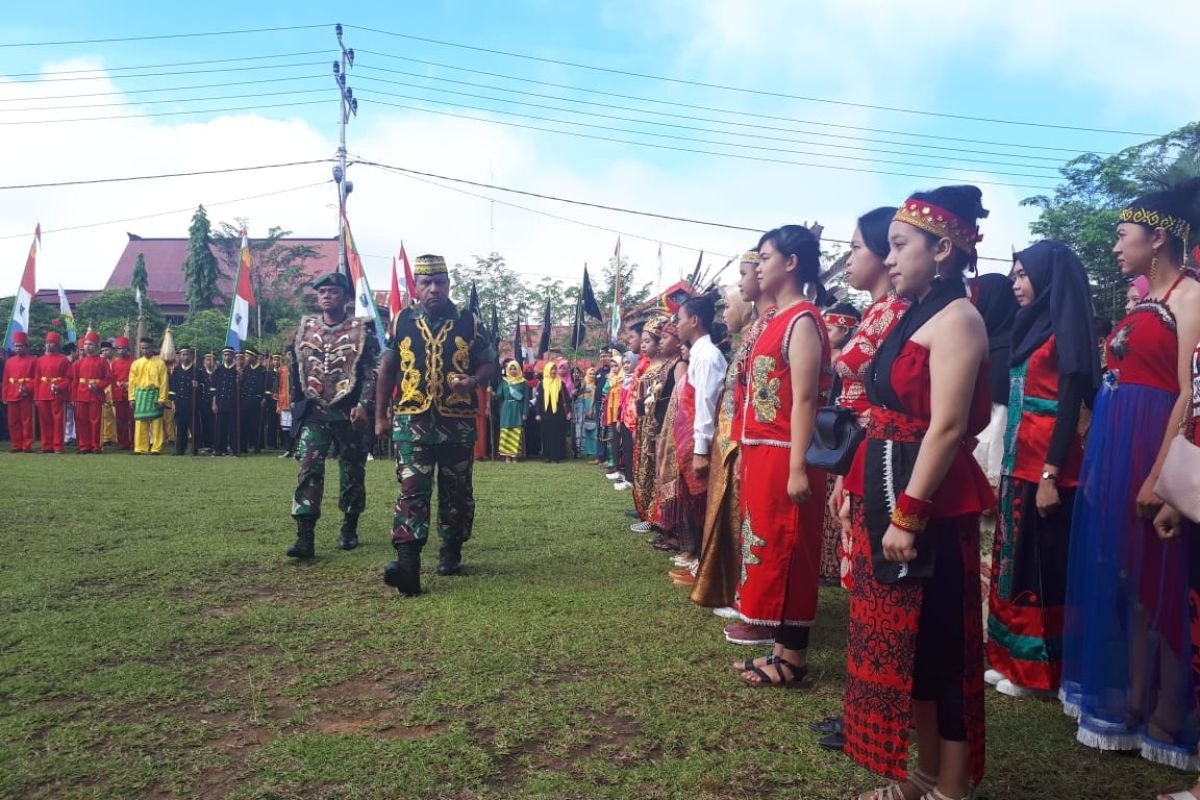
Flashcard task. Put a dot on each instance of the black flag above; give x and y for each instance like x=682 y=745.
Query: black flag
x=518 y=352
x=474 y=301
x=696 y=274
x=590 y=306
x=578 y=327
x=544 y=342
x=495 y=326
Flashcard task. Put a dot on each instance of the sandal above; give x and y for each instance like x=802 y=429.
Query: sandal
x=935 y=794
x=748 y=665
x=895 y=791
x=800 y=679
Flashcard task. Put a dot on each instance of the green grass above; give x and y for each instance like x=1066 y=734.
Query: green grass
x=155 y=643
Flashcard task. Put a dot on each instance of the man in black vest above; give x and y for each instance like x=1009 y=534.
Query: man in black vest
x=333 y=363
x=437 y=356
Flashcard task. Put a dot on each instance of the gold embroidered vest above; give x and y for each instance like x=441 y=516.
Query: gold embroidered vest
x=429 y=351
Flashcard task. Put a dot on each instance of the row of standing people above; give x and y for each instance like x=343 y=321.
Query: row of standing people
x=1094 y=579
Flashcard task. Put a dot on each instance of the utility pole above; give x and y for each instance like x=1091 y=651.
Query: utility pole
x=349 y=106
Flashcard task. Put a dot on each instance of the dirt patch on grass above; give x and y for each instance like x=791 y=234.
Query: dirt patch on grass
x=611 y=736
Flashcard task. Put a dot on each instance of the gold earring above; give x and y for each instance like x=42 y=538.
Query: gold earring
x=1154 y=266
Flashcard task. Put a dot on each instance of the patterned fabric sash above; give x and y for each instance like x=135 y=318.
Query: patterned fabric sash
x=896 y=426
x=145 y=403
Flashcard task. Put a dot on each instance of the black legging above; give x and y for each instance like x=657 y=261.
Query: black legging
x=939 y=664
x=627 y=452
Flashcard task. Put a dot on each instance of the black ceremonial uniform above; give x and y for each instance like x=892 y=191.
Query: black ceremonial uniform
x=254 y=388
x=224 y=391
x=185 y=393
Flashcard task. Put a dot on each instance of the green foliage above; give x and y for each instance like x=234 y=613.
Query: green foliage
x=275 y=271
x=203 y=330
x=632 y=294
x=41 y=321
x=1083 y=210
x=497 y=285
x=200 y=269
x=140 y=279
x=110 y=310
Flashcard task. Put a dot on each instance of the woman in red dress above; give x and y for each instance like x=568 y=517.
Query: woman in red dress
x=915 y=652
x=783 y=498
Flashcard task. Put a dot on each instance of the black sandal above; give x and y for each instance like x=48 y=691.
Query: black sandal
x=800 y=678
x=748 y=665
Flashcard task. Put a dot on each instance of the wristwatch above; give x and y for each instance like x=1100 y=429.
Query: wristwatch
x=1047 y=475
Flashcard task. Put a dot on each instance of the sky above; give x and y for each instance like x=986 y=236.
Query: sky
x=830 y=109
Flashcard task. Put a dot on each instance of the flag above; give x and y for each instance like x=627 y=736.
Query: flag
x=578 y=327
x=590 y=306
x=544 y=342
x=394 y=304
x=364 y=298
x=410 y=285
x=614 y=322
x=495 y=326
x=473 y=302
x=518 y=351
x=243 y=300
x=19 y=321
x=64 y=308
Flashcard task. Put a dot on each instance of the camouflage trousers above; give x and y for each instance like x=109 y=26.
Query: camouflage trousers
x=415 y=465
x=312 y=447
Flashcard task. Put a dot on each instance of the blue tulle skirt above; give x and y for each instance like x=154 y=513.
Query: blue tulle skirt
x=1128 y=662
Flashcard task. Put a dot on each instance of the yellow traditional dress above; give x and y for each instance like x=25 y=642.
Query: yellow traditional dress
x=148 y=388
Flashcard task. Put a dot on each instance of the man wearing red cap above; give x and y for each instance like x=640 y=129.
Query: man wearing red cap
x=20 y=372
x=90 y=376
x=50 y=393
x=120 y=394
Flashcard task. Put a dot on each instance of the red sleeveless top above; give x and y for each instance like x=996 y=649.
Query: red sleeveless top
x=1037 y=418
x=1143 y=350
x=741 y=364
x=767 y=417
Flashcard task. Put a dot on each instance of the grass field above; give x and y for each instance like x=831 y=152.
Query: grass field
x=155 y=643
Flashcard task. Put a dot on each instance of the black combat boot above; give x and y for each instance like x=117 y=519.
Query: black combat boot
x=404 y=574
x=305 y=531
x=349 y=538
x=450 y=558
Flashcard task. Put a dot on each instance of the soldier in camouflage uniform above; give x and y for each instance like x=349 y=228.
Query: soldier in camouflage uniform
x=333 y=369
x=437 y=356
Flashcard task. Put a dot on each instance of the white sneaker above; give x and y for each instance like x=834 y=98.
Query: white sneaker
x=993 y=677
x=640 y=527
x=681 y=561
x=1013 y=690
x=622 y=486
x=726 y=612
x=614 y=476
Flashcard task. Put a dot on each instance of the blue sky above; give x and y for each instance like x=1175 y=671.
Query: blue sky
x=1075 y=63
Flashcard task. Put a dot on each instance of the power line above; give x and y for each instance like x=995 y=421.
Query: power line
x=164 y=113
x=167 y=213
x=757 y=115
x=762 y=159
x=127 y=178
x=175 y=72
x=166 y=36
x=160 y=89
x=168 y=64
x=168 y=100
x=744 y=90
x=703 y=130
x=600 y=206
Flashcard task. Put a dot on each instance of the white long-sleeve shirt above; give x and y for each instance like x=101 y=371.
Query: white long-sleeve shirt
x=706 y=374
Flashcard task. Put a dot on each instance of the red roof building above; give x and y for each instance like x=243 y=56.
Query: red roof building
x=164 y=269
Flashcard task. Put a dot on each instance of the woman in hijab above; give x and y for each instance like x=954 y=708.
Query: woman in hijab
x=554 y=414
x=1054 y=369
x=998 y=307
x=514 y=400
x=586 y=420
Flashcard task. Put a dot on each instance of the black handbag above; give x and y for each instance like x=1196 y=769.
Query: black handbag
x=836 y=437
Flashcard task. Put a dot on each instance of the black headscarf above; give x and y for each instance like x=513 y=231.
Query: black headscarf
x=998 y=306
x=1062 y=306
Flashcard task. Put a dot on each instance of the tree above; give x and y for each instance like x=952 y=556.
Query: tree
x=204 y=331
x=42 y=318
x=201 y=271
x=140 y=279
x=276 y=269
x=1083 y=210
x=631 y=294
x=498 y=286
x=109 y=311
